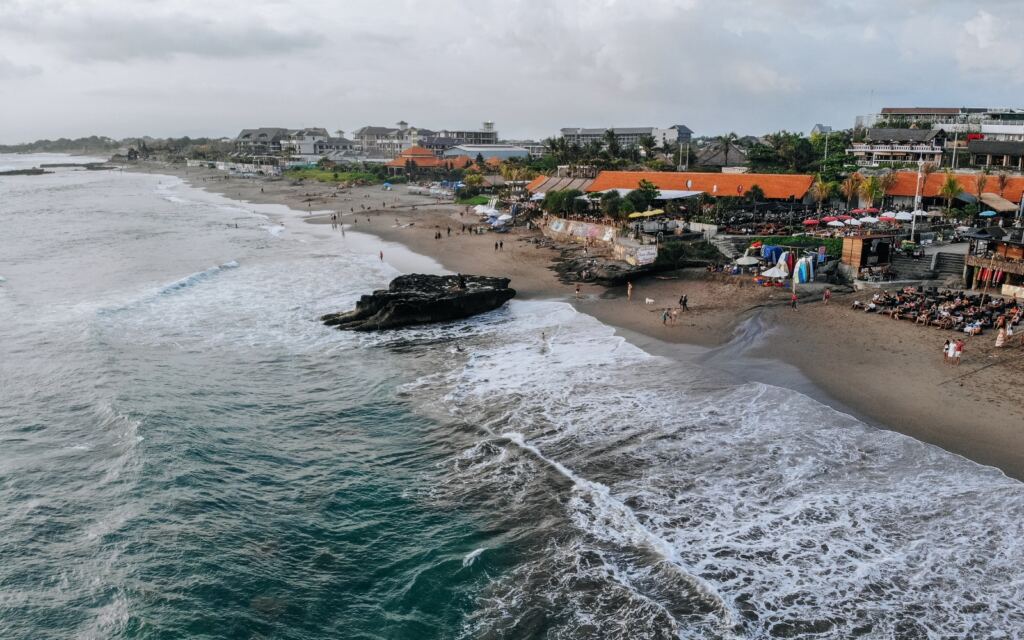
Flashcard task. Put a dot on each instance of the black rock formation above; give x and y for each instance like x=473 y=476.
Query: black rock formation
x=422 y=299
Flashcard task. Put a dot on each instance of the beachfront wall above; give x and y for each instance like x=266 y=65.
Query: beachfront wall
x=601 y=235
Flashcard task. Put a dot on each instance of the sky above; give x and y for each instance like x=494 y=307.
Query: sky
x=126 y=68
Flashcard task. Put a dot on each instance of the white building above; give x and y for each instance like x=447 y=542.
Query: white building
x=629 y=137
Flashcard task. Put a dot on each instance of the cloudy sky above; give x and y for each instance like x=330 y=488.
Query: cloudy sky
x=210 y=67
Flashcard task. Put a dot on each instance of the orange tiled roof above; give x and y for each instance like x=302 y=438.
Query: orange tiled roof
x=536 y=182
x=906 y=185
x=429 y=161
x=775 y=186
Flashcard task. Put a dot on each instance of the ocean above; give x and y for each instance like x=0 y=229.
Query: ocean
x=186 y=452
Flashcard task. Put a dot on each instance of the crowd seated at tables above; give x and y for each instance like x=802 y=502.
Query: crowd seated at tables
x=948 y=310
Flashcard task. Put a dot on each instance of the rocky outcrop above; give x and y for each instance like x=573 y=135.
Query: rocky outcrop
x=422 y=299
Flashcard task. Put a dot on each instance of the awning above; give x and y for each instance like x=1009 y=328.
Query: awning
x=998 y=203
x=647 y=214
x=666 y=194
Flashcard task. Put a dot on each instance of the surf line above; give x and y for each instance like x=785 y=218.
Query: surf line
x=601 y=493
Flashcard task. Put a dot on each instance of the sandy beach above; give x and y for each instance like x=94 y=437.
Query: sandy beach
x=889 y=373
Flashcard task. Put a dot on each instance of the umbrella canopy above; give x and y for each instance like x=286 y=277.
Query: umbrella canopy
x=775 y=272
x=869 y=220
x=747 y=261
x=504 y=217
x=829 y=219
x=871 y=210
x=853 y=222
x=987 y=214
x=857 y=210
x=647 y=214
x=844 y=218
x=887 y=218
x=920 y=212
x=904 y=216
x=836 y=223
x=811 y=222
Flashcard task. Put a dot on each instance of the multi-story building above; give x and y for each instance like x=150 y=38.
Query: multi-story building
x=998 y=154
x=629 y=137
x=392 y=141
x=487 y=151
x=887 y=147
x=262 y=141
x=536 y=149
x=303 y=141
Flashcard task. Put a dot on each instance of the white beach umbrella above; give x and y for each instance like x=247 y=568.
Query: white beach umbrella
x=836 y=223
x=775 y=272
x=869 y=220
x=504 y=217
x=747 y=261
x=920 y=212
x=903 y=216
x=853 y=222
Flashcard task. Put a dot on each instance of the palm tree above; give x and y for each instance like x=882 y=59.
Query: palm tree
x=821 y=191
x=727 y=142
x=979 y=186
x=949 y=190
x=1002 y=180
x=611 y=143
x=886 y=182
x=648 y=144
x=850 y=187
x=871 y=189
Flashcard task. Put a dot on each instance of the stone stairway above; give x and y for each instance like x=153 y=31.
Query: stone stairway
x=726 y=246
x=948 y=265
x=910 y=269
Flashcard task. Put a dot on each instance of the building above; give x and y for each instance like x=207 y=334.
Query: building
x=262 y=141
x=884 y=147
x=488 y=151
x=629 y=137
x=714 y=155
x=995 y=261
x=999 y=154
x=820 y=129
x=905 y=187
x=302 y=141
x=779 y=187
x=536 y=149
x=416 y=158
x=392 y=141
x=324 y=146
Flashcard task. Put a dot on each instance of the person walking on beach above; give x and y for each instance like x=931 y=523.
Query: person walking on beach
x=664 y=317
x=577 y=292
x=495 y=246
x=959 y=351
x=683 y=302
x=382 y=255
x=501 y=245
x=827 y=296
x=792 y=301
x=945 y=352
x=629 y=290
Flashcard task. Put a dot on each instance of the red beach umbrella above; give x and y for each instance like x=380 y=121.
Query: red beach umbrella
x=887 y=218
x=829 y=219
x=811 y=222
x=858 y=210
x=872 y=210
x=844 y=218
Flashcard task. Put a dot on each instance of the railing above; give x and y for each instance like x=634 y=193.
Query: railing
x=1009 y=266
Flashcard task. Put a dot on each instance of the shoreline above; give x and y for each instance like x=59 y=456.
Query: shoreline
x=827 y=352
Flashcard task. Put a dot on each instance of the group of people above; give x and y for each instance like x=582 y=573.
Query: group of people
x=971 y=314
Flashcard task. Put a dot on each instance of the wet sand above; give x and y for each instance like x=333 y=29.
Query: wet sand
x=887 y=372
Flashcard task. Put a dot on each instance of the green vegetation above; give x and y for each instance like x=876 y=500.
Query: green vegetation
x=474 y=200
x=673 y=253
x=331 y=175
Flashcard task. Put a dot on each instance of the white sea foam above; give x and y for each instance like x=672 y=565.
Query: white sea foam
x=471 y=557
x=797 y=518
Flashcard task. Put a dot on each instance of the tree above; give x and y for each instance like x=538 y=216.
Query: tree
x=1002 y=180
x=643 y=195
x=755 y=194
x=821 y=191
x=850 y=187
x=728 y=142
x=611 y=144
x=626 y=208
x=979 y=187
x=949 y=190
x=611 y=203
x=648 y=143
x=871 y=189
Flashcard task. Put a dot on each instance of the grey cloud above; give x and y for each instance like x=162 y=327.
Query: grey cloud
x=11 y=70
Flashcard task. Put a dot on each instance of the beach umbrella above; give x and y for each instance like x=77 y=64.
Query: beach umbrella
x=857 y=210
x=836 y=223
x=869 y=220
x=871 y=210
x=988 y=214
x=829 y=219
x=920 y=212
x=504 y=217
x=747 y=261
x=844 y=218
x=887 y=218
x=904 y=216
x=775 y=272
x=853 y=222
x=811 y=222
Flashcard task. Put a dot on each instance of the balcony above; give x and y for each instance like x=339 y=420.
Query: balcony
x=1009 y=266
